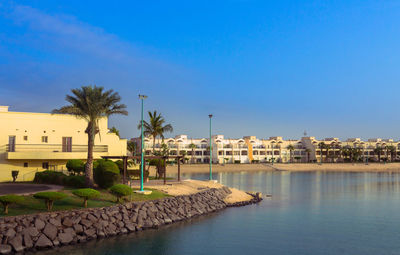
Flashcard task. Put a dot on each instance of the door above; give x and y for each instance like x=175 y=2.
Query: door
x=11 y=143
x=67 y=144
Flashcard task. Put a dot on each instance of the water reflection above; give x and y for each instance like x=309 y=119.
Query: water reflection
x=309 y=213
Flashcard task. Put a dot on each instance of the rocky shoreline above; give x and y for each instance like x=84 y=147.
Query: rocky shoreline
x=53 y=229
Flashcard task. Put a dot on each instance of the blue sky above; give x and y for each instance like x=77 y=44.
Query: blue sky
x=263 y=68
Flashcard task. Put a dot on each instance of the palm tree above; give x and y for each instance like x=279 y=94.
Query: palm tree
x=132 y=147
x=291 y=149
x=392 y=151
x=378 y=150
x=321 y=146
x=308 y=151
x=192 y=146
x=92 y=103
x=155 y=127
x=114 y=130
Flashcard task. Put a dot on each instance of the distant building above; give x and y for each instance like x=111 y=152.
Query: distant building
x=250 y=149
x=31 y=142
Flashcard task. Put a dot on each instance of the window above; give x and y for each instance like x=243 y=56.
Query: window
x=25 y=138
x=11 y=143
x=255 y=152
x=198 y=153
x=45 y=165
x=262 y=152
x=244 y=153
x=44 y=139
x=26 y=164
x=67 y=144
x=220 y=153
x=228 y=153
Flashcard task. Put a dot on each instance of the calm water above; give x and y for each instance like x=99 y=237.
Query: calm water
x=309 y=213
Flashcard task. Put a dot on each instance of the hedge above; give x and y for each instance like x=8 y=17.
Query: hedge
x=6 y=200
x=58 y=178
x=106 y=173
x=49 y=197
x=121 y=190
x=86 y=194
x=75 y=166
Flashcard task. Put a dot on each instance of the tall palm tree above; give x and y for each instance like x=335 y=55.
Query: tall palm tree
x=291 y=149
x=378 y=150
x=321 y=146
x=114 y=130
x=392 y=151
x=92 y=103
x=192 y=146
x=132 y=147
x=308 y=151
x=155 y=127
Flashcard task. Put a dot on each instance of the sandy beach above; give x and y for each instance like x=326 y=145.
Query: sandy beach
x=338 y=167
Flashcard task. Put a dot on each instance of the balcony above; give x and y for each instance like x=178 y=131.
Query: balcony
x=53 y=151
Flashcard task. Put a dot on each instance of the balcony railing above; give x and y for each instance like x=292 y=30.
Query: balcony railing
x=54 y=148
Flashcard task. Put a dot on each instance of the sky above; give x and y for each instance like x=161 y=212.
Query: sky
x=263 y=68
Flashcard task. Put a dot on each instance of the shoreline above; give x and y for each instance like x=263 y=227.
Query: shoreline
x=295 y=167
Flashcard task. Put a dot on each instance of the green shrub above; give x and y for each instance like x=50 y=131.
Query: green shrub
x=121 y=190
x=135 y=174
x=75 y=166
x=75 y=181
x=49 y=177
x=106 y=174
x=86 y=194
x=237 y=161
x=49 y=197
x=10 y=199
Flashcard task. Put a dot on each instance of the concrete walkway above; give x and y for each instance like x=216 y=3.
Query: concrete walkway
x=26 y=188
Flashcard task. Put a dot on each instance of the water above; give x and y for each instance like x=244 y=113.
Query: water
x=309 y=213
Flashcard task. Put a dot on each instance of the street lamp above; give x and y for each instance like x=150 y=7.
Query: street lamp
x=210 y=116
x=142 y=97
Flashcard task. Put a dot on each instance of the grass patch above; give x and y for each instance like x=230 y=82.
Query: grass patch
x=31 y=205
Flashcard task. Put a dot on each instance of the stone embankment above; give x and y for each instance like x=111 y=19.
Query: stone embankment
x=47 y=230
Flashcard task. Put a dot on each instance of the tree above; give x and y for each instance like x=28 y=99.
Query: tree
x=321 y=146
x=308 y=151
x=114 y=130
x=155 y=127
x=192 y=146
x=92 y=103
x=131 y=147
x=392 y=151
x=378 y=150
x=291 y=149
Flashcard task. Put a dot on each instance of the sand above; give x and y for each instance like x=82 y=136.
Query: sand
x=188 y=187
x=338 y=167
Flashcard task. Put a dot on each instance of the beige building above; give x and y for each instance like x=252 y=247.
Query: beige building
x=31 y=142
x=250 y=149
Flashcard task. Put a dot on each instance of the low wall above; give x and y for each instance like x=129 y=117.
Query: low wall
x=46 y=230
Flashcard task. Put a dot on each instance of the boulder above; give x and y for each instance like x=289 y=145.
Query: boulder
x=10 y=233
x=43 y=242
x=55 y=222
x=50 y=231
x=31 y=231
x=65 y=238
x=16 y=243
x=39 y=224
x=5 y=249
x=67 y=222
x=28 y=241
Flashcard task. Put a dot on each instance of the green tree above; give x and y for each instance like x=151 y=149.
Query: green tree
x=132 y=147
x=155 y=127
x=92 y=103
x=321 y=147
x=291 y=149
x=392 y=151
x=378 y=151
x=114 y=130
x=192 y=146
x=308 y=151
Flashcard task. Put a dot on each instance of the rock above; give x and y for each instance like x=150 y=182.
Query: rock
x=50 y=231
x=78 y=228
x=43 y=242
x=32 y=231
x=90 y=232
x=5 y=249
x=67 y=222
x=10 y=233
x=16 y=243
x=130 y=227
x=70 y=231
x=55 y=222
x=65 y=238
x=28 y=241
x=39 y=224
x=86 y=223
x=92 y=218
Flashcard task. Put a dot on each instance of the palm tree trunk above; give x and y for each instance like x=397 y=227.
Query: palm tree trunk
x=154 y=144
x=89 y=164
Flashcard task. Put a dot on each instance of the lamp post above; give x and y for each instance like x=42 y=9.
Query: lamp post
x=210 y=116
x=142 y=97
